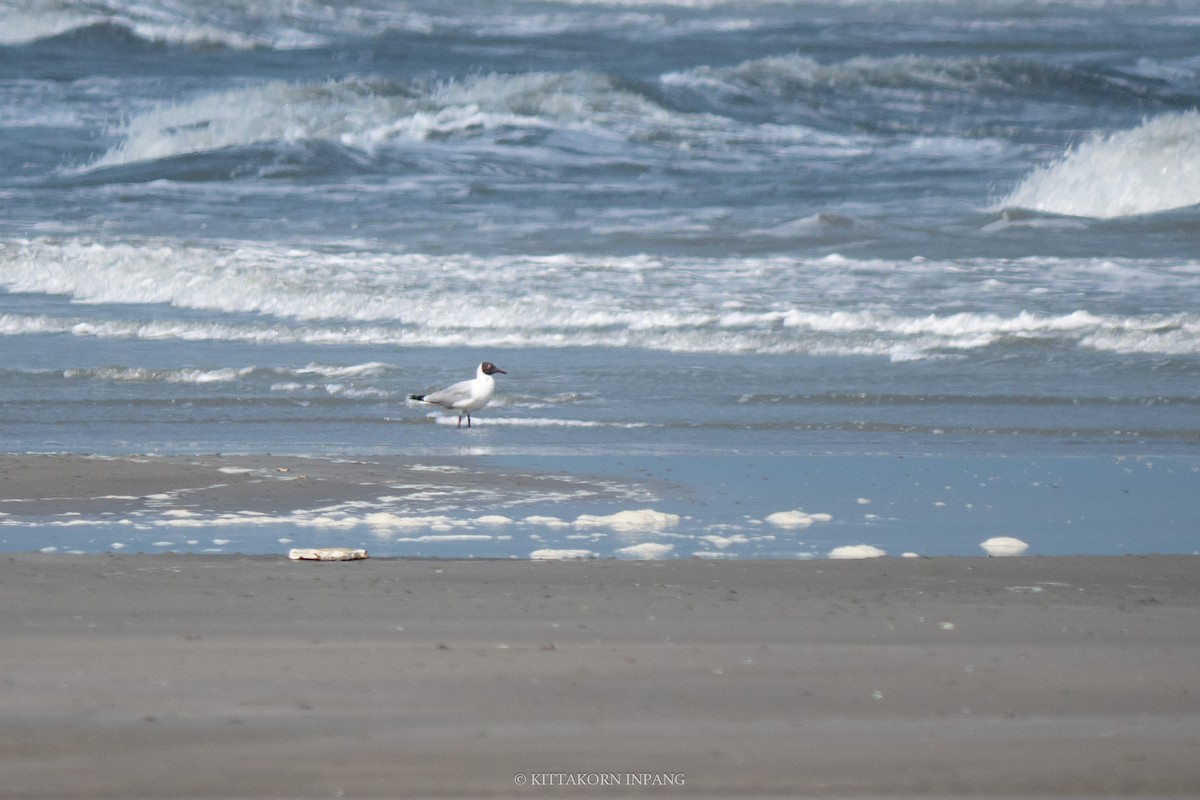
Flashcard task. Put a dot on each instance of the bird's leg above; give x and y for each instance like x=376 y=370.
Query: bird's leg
x=460 y=421
x=468 y=420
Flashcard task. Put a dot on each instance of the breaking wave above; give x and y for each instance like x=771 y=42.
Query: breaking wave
x=826 y=306
x=366 y=116
x=277 y=24
x=762 y=108
x=1154 y=167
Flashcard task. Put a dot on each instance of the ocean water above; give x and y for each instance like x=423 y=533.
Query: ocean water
x=797 y=276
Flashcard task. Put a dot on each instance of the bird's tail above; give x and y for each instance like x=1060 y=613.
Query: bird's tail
x=416 y=397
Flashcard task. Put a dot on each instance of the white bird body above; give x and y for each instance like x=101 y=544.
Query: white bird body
x=465 y=397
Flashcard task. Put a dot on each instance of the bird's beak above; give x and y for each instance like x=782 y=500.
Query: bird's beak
x=497 y=369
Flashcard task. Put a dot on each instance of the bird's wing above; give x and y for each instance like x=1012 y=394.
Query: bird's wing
x=451 y=395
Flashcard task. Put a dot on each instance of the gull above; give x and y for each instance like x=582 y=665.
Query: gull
x=465 y=396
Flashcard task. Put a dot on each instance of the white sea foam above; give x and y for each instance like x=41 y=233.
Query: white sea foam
x=383 y=523
x=795 y=519
x=1151 y=168
x=387 y=521
x=548 y=522
x=445 y=537
x=722 y=542
x=329 y=522
x=897 y=338
x=519 y=301
x=645 y=520
x=560 y=554
x=143 y=374
x=536 y=422
x=1004 y=546
x=646 y=551
x=852 y=551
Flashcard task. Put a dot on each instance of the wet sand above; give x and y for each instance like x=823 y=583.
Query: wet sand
x=44 y=485
x=180 y=676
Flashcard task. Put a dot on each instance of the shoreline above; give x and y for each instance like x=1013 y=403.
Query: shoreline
x=42 y=485
x=267 y=503
x=479 y=505
x=178 y=676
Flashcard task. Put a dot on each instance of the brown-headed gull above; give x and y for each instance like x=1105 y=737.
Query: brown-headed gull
x=465 y=397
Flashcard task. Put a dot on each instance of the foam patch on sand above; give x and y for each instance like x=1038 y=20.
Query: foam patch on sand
x=493 y=519
x=547 y=522
x=1004 y=546
x=450 y=537
x=795 y=519
x=721 y=542
x=856 y=551
x=553 y=554
x=645 y=520
x=388 y=521
x=646 y=551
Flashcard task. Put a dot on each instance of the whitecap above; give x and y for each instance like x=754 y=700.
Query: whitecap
x=1153 y=167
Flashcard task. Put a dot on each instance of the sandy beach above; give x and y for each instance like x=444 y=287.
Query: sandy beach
x=845 y=440
x=180 y=676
